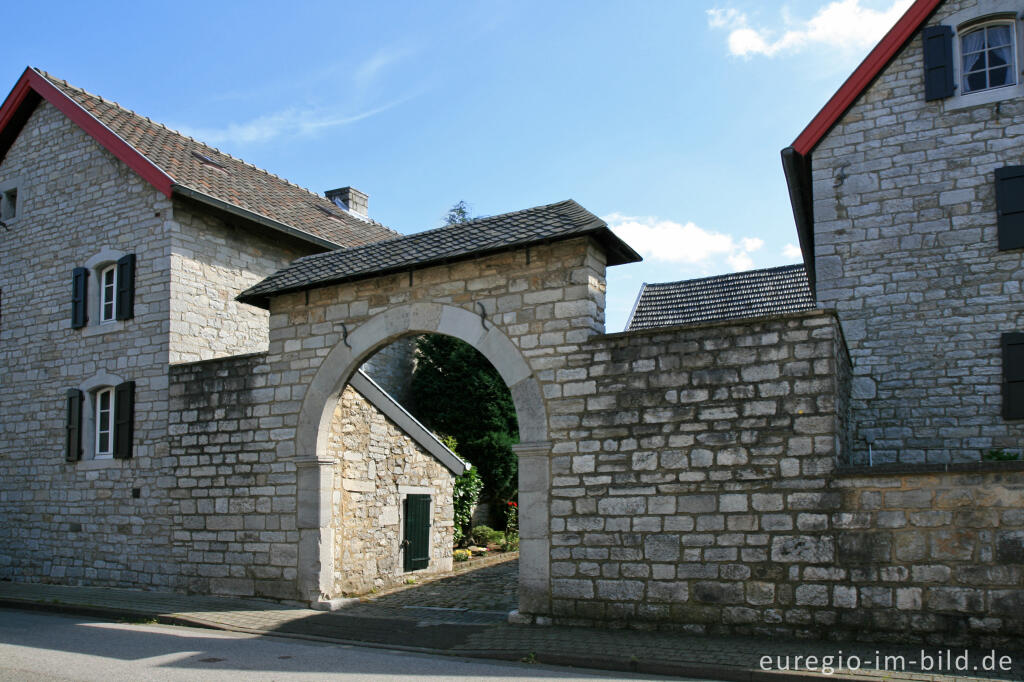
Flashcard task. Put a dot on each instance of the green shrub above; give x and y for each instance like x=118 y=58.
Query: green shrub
x=465 y=496
x=510 y=543
x=485 y=535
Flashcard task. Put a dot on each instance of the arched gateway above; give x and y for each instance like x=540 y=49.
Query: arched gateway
x=525 y=289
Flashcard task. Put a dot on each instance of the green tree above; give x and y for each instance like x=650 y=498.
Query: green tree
x=457 y=392
x=458 y=214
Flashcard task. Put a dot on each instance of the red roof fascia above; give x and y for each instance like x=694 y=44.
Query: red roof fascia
x=31 y=80
x=14 y=100
x=862 y=77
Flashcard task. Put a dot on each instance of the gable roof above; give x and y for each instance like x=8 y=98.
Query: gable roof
x=175 y=164
x=755 y=293
x=796 y=158
x=865 y=74
x=479 y=237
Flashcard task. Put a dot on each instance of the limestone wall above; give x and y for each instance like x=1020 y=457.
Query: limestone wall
x=377 y=466
x=235 y=502
x=694 y=484
x=81 y=521
x=212 y=261
x=933 y=555
x=232 y=502
x=689 y=469
x=906 y=252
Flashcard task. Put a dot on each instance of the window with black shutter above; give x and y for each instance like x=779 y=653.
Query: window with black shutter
x=73 y=426
x=1010 y=207
x=126 y=287
x=938 y=62
x=124 y=419
x=79 y=297
x=1013 y=375
x=416 y=544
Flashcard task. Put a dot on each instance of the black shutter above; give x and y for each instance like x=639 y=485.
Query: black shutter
x=938 y=62
x=125 y=287
x=1010 y=207
x=417 y=532
x=73 y=426
x=1013 y=376
x=124 y=419
x=79 y=297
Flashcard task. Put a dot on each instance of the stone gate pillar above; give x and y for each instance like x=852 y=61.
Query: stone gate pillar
x=534 y=528
x=314 y=477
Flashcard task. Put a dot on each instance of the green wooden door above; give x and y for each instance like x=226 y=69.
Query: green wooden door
x=417 y=532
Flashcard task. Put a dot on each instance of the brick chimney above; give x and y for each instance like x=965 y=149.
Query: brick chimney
x=350 y=199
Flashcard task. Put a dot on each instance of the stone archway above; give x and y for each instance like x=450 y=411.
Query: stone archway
x=316 y=558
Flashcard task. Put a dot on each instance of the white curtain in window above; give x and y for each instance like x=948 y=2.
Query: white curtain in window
x=998 y=35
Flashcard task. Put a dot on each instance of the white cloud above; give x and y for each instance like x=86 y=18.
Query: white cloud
x=751 y=243
x=367 y=72
x=792 y=252
x=289 y=122
x=684 y=244
x=740 y=261
x=843 y=24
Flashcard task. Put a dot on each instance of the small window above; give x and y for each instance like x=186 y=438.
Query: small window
x=987 y=57
x=104 y=423
x=9 y=204
x=108 y=294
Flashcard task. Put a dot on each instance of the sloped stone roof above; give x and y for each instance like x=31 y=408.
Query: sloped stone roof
x=755 y=293
x=478 y=237
x=212 y=173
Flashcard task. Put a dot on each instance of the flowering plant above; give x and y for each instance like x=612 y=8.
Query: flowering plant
x=511 y=527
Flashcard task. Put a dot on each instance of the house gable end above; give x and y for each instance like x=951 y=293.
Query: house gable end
x=31 y=88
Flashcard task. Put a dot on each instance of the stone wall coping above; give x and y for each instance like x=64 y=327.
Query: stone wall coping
x=738 y=321
x=949 y=468
x=225 y=359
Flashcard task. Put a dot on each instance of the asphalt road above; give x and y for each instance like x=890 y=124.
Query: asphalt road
x=46 y=646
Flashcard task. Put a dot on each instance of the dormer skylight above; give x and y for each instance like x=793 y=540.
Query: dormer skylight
x=209 y=162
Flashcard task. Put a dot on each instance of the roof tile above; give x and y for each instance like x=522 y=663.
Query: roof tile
x=209 y=171
x=755 y=293
x=552 y=222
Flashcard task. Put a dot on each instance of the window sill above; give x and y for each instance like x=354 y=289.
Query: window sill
x=974 y=99
x=104 y=328
x=96 y=464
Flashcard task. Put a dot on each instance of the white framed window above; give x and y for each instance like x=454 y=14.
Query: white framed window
x=104 y=445
x=108 y=293
x=988 y=56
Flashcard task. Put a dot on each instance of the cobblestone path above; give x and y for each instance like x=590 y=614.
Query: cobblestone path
x=483 y=595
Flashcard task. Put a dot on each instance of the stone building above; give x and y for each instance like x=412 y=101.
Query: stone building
x=907 y=190
x=125 y=245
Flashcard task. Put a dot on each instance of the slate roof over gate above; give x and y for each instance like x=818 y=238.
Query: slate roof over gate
x=177 y=164
x=754 y=293
x=482 y=236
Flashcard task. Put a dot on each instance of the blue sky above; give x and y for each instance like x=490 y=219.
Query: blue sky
x=665 y=118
